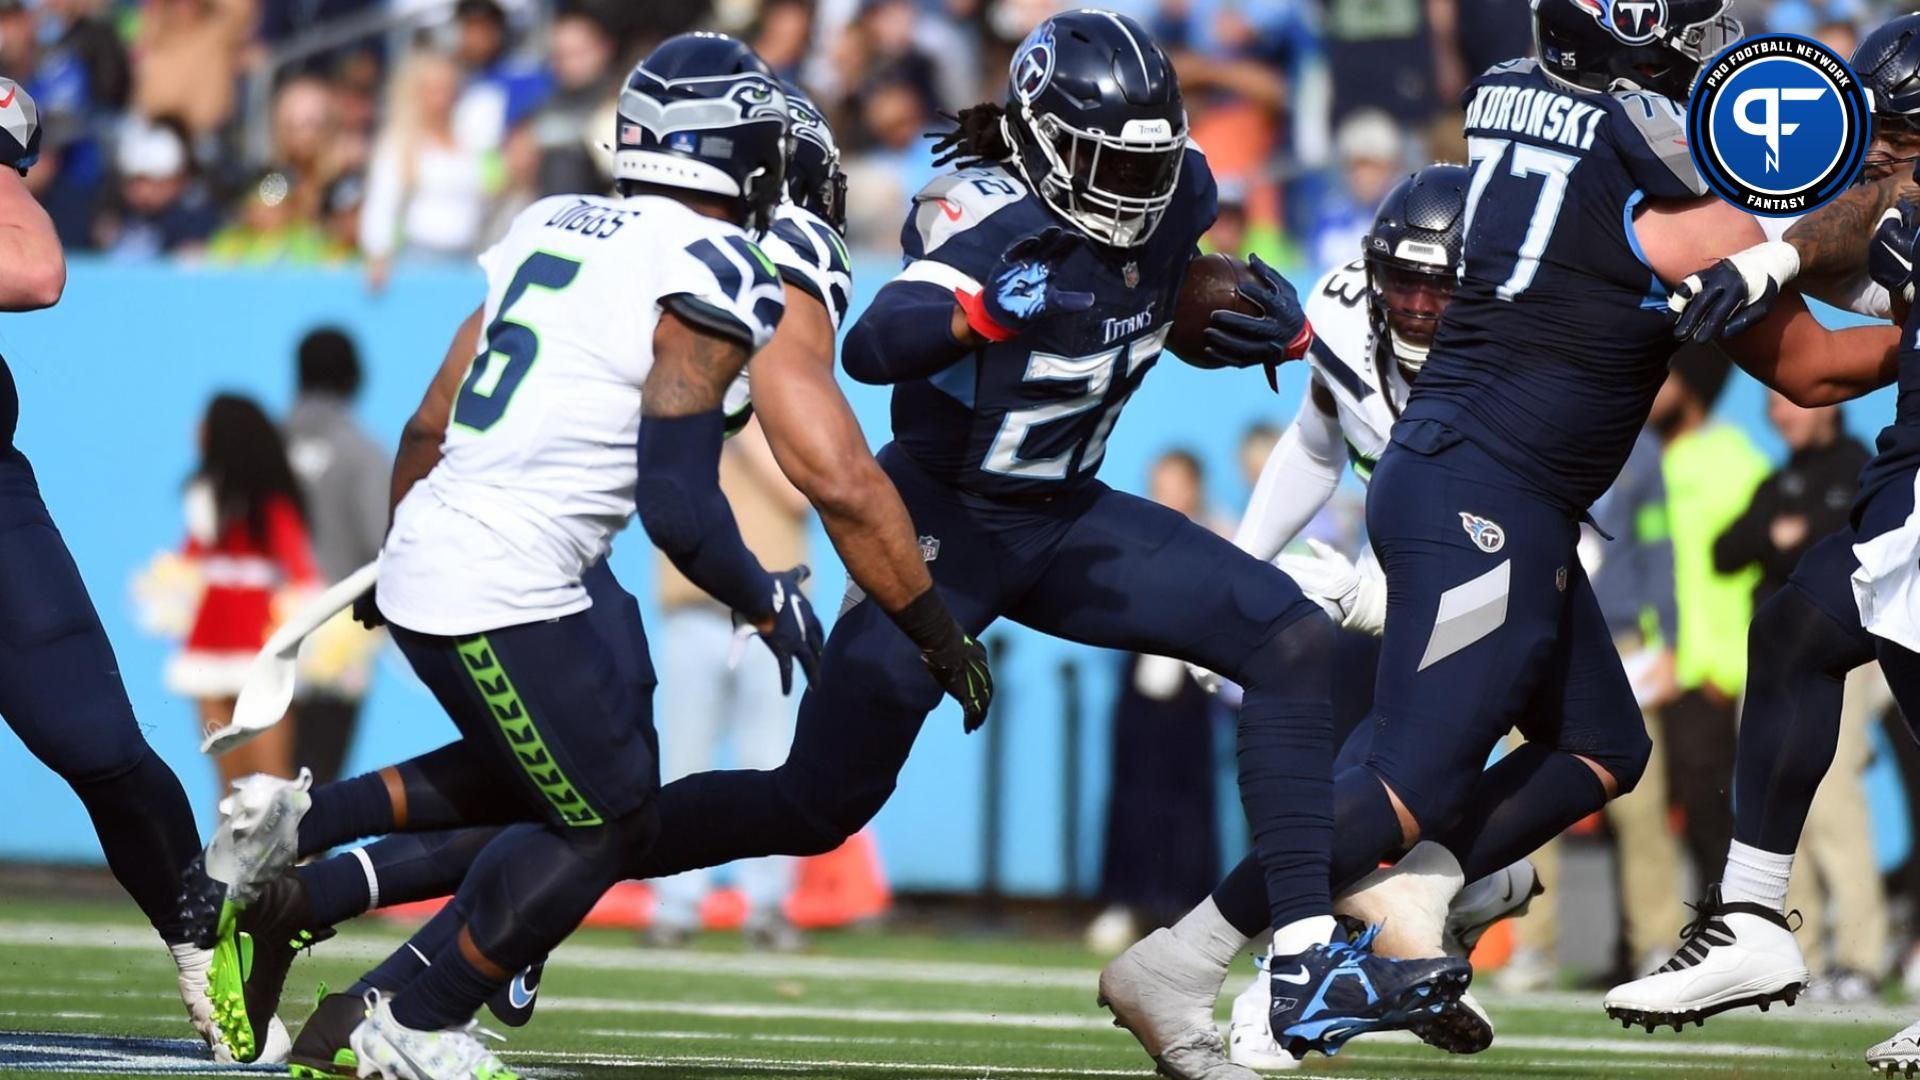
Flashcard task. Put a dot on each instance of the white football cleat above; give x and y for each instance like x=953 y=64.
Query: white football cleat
x=191 y=962
x=279 y=1044
x=258 y=837
x=386 y=1048
x=1506 y=893
x=1899 y=1055
x=1163 y=994
x=1250 y=1040
x=1731 y=955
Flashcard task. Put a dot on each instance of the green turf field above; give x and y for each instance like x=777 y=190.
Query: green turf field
x=861 y=1005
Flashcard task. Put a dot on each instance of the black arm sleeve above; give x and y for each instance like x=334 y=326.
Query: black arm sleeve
x=677 y=493
x=1746 y=540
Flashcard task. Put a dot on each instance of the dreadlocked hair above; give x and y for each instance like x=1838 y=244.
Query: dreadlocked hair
x=979 y=137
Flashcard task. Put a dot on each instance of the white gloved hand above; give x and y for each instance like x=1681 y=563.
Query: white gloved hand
x=1353 y=596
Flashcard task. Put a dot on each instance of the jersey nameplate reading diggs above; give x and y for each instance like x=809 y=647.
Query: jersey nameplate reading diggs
x=1558 y=335
x=537 y=469
x=1033 y=413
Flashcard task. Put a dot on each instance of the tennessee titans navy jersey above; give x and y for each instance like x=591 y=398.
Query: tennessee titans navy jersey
x=9 y=405
x=1032 y=415
x=1558 y=335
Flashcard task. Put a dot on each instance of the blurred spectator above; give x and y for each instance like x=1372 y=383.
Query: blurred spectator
x=162 y=208
x=1711 y=471
x=1393 y=55
x=306 y=146
x=282 y=20
x=710 y=702
x=896 y=161
x=1256 y=446
x=501 y=87
x=1239 y=64
x=1162 y=835
x=1489 y=32
x=1237 y=233
x=189 y=65
x=344 y=477
x=1808 y=498
x=85 y=43
x=78 y=81
x=577 y=116
x=340 y=207
x=247 y=531
x=355 y=111
x=520 y=183
x=1372 y=156
x=880 y=48
x=426 y=191
x=270 y=227
x=783 y=35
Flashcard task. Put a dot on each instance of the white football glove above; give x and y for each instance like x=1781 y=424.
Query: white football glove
x=1355 y=596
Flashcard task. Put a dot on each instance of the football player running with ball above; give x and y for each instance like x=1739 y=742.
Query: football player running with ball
x=588 y=387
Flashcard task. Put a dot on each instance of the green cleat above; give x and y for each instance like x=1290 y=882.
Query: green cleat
x=255 y=946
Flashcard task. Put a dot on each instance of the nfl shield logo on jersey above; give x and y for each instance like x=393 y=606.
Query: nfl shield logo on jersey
x=1486 y=535
x=1130 y=273
x=929 y=548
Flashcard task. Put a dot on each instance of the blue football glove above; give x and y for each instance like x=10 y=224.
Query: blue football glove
x=1278 y=334
x=1021 y=290
x=19 y=127
x=1891 y=255
x=795 y=633
x=1734 y=293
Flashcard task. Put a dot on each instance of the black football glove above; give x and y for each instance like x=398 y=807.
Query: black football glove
x=795 y=634
x=961 y=669
x=1733 y=293
x=366 y=608
x=1021 y=290
x=1891 y=255
x=1278 y=334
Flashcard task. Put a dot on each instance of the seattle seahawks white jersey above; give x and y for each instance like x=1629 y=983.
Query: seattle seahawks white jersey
x=811 y=257
x=1342 y=359
x=537 y=468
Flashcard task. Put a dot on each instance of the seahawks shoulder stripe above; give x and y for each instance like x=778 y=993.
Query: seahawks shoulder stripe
x=811 y=257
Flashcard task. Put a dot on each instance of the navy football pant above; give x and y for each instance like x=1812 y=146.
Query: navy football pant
x=1802 y=643
x=60 y=692
x=1099 y=567
x=1491 y=625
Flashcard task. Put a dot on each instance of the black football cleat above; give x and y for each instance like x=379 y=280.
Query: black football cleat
x=253 y=949
x=322 y=1051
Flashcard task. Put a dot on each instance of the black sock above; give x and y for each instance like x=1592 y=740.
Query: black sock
x=146 y=830
x=345 y=811
x=1241 y=897
x=400 y=869
x=406 y=963
x=1526 y=799
x=1365 y=828
x=447 y=788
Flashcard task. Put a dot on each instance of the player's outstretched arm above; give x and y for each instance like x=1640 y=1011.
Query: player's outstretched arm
x=678 y=497
x=819 y=445
x=1832 y=241
x=912 y=330
x=1299 y=477
x=33 y=269
x=1788 y=350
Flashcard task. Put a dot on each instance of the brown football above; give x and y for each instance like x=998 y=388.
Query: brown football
x=1212 y=283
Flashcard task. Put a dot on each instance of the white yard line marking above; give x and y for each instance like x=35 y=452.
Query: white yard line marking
x=751 y=1064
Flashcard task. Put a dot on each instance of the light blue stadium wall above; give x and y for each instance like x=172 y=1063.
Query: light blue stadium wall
x=112 y=382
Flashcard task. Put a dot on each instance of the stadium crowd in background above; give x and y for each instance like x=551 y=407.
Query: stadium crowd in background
x=321 y=131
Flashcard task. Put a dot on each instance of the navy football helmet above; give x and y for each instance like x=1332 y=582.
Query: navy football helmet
x=1888 y=61
x=19 y=127
x=814 y=179
x=1413 y=254
x=704 y=113
x=1605 y=45
x=1096 y=123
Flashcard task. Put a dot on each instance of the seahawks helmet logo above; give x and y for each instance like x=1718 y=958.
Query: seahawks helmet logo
x=1632 y=22
x=1033 y=63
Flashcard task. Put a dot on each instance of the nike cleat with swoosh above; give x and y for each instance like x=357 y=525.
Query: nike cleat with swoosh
x=1331 y=993
x=512 y=1004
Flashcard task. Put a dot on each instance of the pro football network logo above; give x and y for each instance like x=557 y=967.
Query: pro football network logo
x=1486 y=535
x=1634 y=22
x=1033 y=63
x=1778 y=124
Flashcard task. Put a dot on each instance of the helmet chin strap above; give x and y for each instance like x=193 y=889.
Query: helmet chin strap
x=1409 y=355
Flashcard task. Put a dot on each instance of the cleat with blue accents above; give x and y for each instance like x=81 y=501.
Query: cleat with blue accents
x=1333 y=992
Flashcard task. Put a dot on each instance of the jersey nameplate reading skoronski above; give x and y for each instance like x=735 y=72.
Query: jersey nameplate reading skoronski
x=1537 y=113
